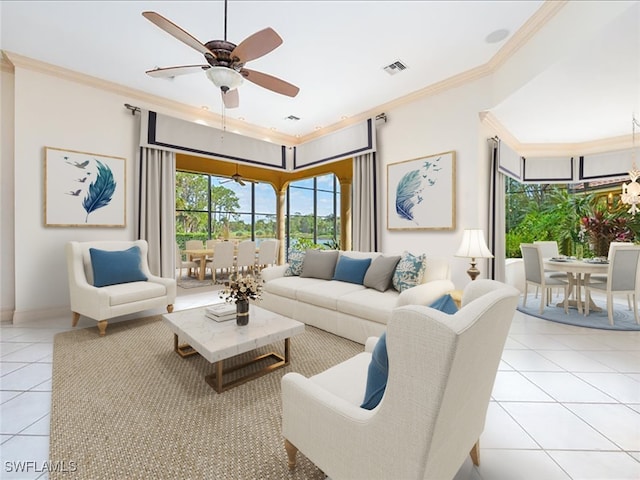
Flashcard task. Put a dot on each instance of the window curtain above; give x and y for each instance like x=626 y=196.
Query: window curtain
x=497 y=227
x=155 y=185
x=365 y=225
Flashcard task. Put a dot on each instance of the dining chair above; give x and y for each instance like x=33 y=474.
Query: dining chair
x=194 y=245
x=603 y=276
x=222 y=258
x=549 y=249
x=268 y=253
x=181 y=263
x=622 y=278
x=535 y=275
x=246 y=256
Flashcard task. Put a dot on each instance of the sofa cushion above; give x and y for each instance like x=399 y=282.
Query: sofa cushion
x=124 y=293
x=409 y=271
x=288 y=286
x=346 y=380
x=370 y=304
x=117 y=266
x=327 y=294
x=380 y=272
x=351 y=270
x=319 y=264
x=296 y=259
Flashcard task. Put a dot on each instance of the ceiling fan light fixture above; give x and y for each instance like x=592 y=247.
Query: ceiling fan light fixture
x=224 y=78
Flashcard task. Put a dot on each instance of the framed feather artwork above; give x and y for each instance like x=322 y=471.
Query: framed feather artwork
x=421 y=193
x=83 y=189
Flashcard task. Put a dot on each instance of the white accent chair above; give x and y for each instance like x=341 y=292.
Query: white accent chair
x=103 y=303
x=268 y=253
x=246 y=257
x=441 y=373
x=622 y=278
x=535 y=274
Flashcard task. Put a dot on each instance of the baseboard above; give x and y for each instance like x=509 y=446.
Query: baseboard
x=30 y=315
x=6 y=316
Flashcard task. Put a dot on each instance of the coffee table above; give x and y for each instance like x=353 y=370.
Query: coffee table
x=219 y=341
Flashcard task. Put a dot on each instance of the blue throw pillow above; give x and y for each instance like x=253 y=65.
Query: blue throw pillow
x=296 y=259
x=377 y=374
x=379 y=366
x=351 y=270
x=113 y=267
x=445 y=304
x=409 y=271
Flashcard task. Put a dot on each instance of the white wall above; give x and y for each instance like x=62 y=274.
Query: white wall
x=440 y=123
x=52 y=112
x=55 y=112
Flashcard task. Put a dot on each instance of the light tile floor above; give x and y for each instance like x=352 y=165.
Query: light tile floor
x=566 y=402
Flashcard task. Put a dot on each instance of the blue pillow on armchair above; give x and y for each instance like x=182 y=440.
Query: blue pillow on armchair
x=113 y=267
x=379 y=366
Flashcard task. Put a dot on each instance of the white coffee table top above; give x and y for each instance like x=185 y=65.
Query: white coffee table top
x=220 y=340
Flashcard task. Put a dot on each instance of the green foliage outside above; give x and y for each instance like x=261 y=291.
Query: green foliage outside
x=195 y=221
x=551 y=212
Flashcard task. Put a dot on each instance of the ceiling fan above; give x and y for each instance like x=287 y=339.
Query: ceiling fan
x=236 y=177
x=225 y=60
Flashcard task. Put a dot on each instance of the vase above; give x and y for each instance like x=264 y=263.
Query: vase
x=242 y=312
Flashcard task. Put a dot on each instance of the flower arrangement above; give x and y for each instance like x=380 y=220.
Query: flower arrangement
x=242 y=288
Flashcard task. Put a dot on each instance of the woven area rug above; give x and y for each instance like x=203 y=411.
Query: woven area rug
x=622 y=317
x=127 y=406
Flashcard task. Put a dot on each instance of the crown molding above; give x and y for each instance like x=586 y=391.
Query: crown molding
x=576 y=149
x=151 y=102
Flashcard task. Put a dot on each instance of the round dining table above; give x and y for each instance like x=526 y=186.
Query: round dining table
x=578 y=272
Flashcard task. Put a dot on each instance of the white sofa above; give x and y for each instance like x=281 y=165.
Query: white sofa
x=102 y=303
x=346 y=309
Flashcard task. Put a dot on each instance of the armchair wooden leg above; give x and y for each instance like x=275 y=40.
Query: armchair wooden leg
x=74 y=318
x=102 y=327
x=291 y=453
x=475 y=453
x=170 y=308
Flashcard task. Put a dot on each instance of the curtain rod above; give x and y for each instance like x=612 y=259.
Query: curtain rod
x=133 y=108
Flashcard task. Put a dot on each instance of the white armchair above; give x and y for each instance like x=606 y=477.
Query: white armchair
x=441 y=374
x=102 y=303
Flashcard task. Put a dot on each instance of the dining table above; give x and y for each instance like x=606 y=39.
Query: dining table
x=578 y=273
x=199 y=255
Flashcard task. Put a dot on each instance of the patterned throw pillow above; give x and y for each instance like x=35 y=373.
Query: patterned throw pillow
x=409 y=271
x=296 y=259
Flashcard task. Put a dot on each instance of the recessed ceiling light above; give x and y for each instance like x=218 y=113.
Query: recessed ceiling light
x=204 y=107
x=497 y=35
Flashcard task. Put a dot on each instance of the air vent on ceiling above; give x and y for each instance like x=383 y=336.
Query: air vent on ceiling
x=395 y=67
x=292 y=117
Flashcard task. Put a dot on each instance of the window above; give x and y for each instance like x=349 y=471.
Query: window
x=313 y=208
x=208 y=206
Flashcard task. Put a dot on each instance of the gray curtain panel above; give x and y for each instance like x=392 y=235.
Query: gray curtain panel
x=364 y=193
x=155 y=203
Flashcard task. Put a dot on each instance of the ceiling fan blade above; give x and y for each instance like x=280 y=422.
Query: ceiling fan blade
x=257 y=45
x=270 y=82
x=174 y=71
x=241 y=182
x=230 y=98
x=173 y=29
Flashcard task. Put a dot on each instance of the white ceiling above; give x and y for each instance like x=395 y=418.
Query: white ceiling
x=335 y=52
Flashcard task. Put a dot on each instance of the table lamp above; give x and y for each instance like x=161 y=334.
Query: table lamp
x=473 y=246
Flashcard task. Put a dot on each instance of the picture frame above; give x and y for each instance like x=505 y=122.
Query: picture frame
x=421 y=193
x=83 y=189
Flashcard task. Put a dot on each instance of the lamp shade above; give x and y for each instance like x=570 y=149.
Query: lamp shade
x=473 y=245
x=224 y=77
